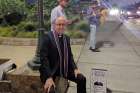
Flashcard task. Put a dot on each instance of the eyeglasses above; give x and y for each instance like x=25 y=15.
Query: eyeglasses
x=60 y=24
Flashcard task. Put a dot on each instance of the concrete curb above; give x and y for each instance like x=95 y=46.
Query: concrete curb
x=31 y=41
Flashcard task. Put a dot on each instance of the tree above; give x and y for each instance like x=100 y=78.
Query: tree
x=12 y=8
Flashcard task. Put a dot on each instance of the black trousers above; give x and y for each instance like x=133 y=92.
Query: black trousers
x=80 y=80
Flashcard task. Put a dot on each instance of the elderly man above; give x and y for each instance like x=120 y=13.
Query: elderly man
x=57 y=59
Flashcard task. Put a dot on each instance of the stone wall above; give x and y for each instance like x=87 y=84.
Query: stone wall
x=25 y=83
x=25 y=80
x=18 y=41
x=5 y=86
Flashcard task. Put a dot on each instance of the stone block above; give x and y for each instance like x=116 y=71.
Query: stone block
x=5 y=86
x=25 y=80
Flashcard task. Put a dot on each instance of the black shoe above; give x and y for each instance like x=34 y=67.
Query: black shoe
x=94 y=50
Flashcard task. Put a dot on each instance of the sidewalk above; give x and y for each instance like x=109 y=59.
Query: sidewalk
x=121 y=60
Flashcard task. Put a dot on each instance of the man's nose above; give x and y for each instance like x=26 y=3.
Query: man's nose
x=62 y=26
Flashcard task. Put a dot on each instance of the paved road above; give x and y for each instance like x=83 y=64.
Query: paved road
x=122 y=60
x=134 y=27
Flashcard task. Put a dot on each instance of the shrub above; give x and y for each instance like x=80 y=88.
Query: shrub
x=12 y=34
x=69 y=33
x=20 y=34
x=4 y=31
x=24 y=34
x=20 y=27
x=26 y=26
x=13 y=18
x=35 y=34
x=83 y=25
x=76 y=34
x=30 y=35
x=29 y=26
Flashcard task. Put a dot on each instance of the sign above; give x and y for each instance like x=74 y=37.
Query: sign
x=98 y=82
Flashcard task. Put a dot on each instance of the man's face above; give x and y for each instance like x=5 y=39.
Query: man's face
x=64 y=3
x=60 y=26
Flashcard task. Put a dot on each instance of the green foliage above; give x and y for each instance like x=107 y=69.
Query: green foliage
x=26 y=26
x=10 y=6
x=10 y=32
x=29 y=12
x=21 y=34
x=48 y=6
x=7 y=32
x=13 y=18
x=76 y=34
x=27 y=34
x=29 y=27
x=78 y=30
x=20 y=27
x=11 y=11
x=83 y=25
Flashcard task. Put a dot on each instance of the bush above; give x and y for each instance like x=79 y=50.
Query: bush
x=7 y=31
x=83 y=25
x=35 y=34
x=27 y=34
x=76 y=34
x=69 y=33
x=29 y=27
x=20 y=27
x=26 y=26
x=13 y=18
x=10 y=32
x=31 y=34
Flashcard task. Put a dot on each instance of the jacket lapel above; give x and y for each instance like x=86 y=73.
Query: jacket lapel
x=51 y=36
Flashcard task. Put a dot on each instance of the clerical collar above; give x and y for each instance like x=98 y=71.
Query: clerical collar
x=59 y=34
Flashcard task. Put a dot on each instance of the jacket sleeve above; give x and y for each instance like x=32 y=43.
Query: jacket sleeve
x=72 y=63
x=45 y=71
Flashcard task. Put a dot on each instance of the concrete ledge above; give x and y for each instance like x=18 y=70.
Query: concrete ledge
x=30 y=41
x=18 y=41
x=3 y=61
x=5 y=86
x=25 y=80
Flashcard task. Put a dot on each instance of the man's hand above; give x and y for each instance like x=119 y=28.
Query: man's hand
x=76 y=72
x=48 y=84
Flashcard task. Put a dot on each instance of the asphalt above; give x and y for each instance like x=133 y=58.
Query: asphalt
x=120 y=57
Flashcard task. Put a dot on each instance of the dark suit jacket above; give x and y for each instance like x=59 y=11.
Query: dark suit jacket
x=49 y=57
